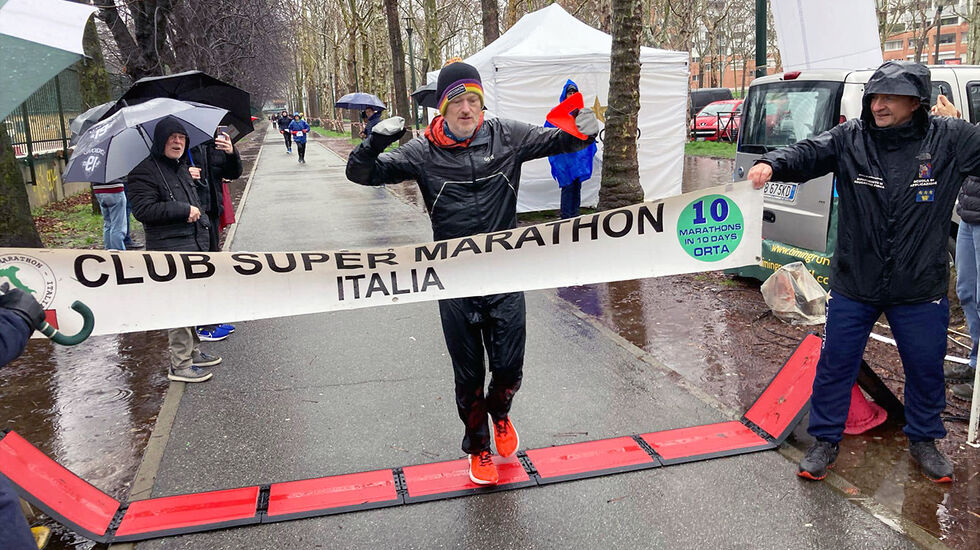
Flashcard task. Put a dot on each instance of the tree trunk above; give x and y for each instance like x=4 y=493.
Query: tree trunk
x=431 y=34
x=398 y=66
x=93 y=79
x=620 y=169
x=491 y=21
x=16 y=224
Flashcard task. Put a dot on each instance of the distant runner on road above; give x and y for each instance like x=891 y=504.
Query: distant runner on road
x=468 y=170
x=283 y=122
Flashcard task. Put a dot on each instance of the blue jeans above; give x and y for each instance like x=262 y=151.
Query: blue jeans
x=967 y=267
x=15 y=534
x=571 y=199
x=114 y=219
x=920 y=331
x=128 y=241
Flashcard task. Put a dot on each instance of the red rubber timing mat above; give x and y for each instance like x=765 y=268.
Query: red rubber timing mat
x=95 y=515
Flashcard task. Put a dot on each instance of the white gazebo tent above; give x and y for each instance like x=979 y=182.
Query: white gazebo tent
x=525 y=69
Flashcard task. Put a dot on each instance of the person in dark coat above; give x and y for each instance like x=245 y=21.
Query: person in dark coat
x=371 y=118
x=283 y=122
x=20 y=314
x=166 y=200
x=898 y=174
x=212 y=163
x=571 y=169
x=469 y=170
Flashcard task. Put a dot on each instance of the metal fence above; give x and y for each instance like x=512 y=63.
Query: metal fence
x=40 y=124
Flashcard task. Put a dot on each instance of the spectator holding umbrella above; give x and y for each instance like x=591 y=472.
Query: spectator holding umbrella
x=213 y=162
x=166 y=200
x=371 y=117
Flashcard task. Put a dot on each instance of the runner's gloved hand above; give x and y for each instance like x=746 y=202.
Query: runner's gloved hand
x=586 y=122
x=23 y=304
x=385 y=133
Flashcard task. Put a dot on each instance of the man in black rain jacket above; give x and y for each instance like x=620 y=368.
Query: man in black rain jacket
x=468 y=170
x=165 y=199
x=898 y=173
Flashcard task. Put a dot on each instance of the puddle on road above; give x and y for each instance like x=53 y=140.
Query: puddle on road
x=90 y=407
x=701 y=172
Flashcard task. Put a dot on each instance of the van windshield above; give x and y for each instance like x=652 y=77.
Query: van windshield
x=782 y=113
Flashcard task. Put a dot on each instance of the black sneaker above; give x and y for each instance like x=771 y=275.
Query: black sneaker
x=958 y=371
x=963 y=391
x=932 y=462
x=818 y=458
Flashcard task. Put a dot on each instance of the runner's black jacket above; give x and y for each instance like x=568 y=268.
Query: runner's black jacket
x=897 y=187
x=467 y=190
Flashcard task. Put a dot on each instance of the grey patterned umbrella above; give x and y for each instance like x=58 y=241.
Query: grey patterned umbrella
x=112 y=148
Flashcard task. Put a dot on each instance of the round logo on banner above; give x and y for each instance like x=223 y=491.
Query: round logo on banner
x=30 y=275
x=710 y=228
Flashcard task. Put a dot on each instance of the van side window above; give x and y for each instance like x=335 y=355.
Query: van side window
x=973 y=98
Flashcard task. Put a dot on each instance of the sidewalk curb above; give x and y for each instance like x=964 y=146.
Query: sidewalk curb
x=846 y=489
x=153 y=454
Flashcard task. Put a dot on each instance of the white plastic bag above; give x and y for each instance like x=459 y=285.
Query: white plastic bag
x=794 y=296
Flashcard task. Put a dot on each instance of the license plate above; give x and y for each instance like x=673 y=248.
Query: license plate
x=780 y=191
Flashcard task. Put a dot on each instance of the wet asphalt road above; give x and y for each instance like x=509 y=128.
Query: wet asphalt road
x=344 y=392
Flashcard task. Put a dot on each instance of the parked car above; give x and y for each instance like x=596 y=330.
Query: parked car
x=703 y=96
x=718 y=121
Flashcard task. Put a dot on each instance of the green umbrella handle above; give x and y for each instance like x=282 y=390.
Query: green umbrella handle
x=88 y=323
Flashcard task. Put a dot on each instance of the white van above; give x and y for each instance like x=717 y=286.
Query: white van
x=799 y=221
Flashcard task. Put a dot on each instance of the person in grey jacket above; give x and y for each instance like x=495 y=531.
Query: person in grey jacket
x=898 y=174
x=469 y=170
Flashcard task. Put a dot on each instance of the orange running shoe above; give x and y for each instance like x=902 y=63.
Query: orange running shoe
x=505 y=437
x=482 y=469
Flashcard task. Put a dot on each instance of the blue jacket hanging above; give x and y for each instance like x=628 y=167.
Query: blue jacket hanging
x=568 y=167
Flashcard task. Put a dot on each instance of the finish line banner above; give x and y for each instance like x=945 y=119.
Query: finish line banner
x=707 y=230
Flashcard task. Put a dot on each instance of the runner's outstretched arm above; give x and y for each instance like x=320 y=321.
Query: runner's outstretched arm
x=369 y=165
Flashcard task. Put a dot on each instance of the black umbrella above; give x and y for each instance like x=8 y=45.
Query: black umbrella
x=426 y=96
x=84 y=121
x=198 y=87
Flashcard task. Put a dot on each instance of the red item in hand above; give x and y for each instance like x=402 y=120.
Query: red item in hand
x=228 y=211
x=561 y=116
